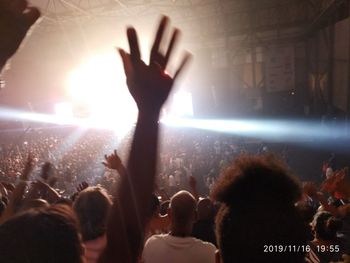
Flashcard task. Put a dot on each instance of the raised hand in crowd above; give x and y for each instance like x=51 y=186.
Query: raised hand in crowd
x=150 y=87
x=16 y=18
x=82 y=186
x=18 y=193
x=338 y=184
x=193 y=186
x=40 y=189
x=113 y=162
x=46 y=171
x=310 y=189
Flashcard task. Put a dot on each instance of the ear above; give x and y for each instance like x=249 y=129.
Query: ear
x=218 y=256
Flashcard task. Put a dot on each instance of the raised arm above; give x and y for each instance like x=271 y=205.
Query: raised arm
x=150 y=87
x=17 y=195
x=113 y=162
x=15 y=20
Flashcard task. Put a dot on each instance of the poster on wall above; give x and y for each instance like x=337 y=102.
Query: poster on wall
x=280 y=72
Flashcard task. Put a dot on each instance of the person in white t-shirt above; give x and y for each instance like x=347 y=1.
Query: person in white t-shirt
x=178 y=246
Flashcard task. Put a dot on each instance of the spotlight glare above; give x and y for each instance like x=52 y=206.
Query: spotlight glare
x=181 y=104
x=64 y=111
x=97 y=86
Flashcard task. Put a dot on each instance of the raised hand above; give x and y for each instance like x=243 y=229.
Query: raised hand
x=150 y=87
x=149 y=84
x=82 y=186
x=339 y=182
x=15 y=20
x=46 y=170
x=28 y=168
x=192 y=182
x=193 y=185
x=113 y=161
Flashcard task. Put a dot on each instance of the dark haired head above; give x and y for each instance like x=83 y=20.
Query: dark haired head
x=92 y=207
x=258 y=196
x=326 y=226
x=155 y=205
x=34 y=203
x=205 y=209
x=255 y=181
x=164 y=206
x=41 y=236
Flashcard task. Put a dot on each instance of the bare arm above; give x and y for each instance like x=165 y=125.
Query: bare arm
x=42 y=190
x=150 y=88
x=113 y=162
x=17 y=195
x=193 y=186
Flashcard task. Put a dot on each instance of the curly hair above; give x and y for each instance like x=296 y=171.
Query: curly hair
x=258 y=195
x=326 y=226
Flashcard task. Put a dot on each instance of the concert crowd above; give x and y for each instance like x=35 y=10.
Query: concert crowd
x=75 y=195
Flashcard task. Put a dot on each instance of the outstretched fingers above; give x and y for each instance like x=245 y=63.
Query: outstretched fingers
x=158 y=39
x=133 y=44
x=126 y=62
x=173 y=41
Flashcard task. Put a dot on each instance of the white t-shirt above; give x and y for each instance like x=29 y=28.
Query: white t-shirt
x=171 y=249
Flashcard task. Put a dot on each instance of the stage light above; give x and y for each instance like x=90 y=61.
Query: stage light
x=181 y=104
x=64 y=111
x=269 y=130
x=99 y=85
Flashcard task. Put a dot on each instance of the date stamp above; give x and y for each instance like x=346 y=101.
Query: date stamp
x=286 y=248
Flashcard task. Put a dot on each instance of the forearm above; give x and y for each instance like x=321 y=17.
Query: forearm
x=130 y=209
x=122 y=171
x=51 y=195
x=194 y=192
x=142 y=159
x=14 y=203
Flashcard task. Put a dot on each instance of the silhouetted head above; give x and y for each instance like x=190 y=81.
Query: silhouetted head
x=326 y=226
x=34 y=203
x=92 y=207
x=258 y=196
x=205 y=209
x=41 y=236
x=183 y=209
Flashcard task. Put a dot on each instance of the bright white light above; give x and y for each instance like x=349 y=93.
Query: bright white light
x=181 y=104
x=64 y=111
x=272 y=130
x=100 y=86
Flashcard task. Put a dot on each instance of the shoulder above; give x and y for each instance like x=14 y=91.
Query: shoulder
x=204 y=245
x=156 y=239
